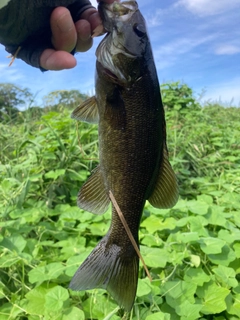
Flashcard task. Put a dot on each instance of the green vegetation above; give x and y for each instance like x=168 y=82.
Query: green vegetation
x=192 y=250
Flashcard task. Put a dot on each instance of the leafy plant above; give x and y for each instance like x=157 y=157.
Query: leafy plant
x=192 y=250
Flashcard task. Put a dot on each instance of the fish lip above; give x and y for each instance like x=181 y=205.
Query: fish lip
x=115 y=16
x=121 y=10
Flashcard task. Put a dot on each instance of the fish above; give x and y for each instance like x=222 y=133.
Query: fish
x=133 y=156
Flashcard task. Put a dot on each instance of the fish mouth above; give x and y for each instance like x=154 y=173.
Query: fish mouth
x=121 y=10
x=114 y=15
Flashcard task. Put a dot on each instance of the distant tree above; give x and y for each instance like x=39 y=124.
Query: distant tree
x=11 y=98
x=63 y=98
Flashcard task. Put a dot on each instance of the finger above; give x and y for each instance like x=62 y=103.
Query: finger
x=93 y=17
x=64 y=36
x=57 y=60
x=84 y=41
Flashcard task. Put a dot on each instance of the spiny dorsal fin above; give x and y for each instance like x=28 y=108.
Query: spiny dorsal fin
x=165 y=193
x=87 y=111
x=92 y=196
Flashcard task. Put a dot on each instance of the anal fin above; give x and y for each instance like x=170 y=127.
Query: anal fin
x=165 y=193
x=92 y=196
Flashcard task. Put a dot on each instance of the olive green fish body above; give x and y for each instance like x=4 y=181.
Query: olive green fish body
x=132 y=150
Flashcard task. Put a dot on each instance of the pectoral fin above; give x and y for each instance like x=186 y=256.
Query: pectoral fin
x=165 y=193
x=92 y=196
x=87 y=111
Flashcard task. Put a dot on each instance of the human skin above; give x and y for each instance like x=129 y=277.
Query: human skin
x=67 y=35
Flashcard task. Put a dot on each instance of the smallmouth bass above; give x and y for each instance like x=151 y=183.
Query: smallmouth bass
x=132 y=149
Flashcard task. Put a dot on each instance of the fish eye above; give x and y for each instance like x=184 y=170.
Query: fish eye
x=139 y=29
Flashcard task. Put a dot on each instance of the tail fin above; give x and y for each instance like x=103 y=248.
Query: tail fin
x=107 y=267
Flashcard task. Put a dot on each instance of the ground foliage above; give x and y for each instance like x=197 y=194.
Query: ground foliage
x=192 y=250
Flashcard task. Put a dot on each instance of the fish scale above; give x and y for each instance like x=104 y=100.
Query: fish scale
x=133 y=158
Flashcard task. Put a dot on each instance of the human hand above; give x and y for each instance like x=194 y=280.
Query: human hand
x=66 y=36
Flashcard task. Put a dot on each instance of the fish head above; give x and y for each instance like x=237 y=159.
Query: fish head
x=122 y=53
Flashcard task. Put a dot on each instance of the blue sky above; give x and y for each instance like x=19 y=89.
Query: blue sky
x=194 y=41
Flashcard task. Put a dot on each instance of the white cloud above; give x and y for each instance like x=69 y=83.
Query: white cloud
x=11 y=74
x=168 y=53
x=154 y=19
x=227 y=49
x=208 y=8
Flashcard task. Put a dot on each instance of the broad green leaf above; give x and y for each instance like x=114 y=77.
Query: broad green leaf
x=55 y=298
x=236 y=248
x=179 y=291
x=154 y=257
x=198 y=207
x=153 y=224
x=197 y=224
x=151 y=240
x=196 y=276
x=211 y=245
x=224 y=258
x=228 y=236
x=213 y=298
x=99 y=228
x=205 y=198
x=36 y=300
x=159 y=316
x=14 y=243
x=188 y=311
x=234 y=308
x=226 y=276
x=144 y=287
x=186 y=237
x=98 y=305
x=217 y=216
x=48 y=272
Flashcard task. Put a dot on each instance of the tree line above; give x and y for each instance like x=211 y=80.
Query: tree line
x=15 y=98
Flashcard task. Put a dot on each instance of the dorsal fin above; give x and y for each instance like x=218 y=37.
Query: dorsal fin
x=165 y=192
